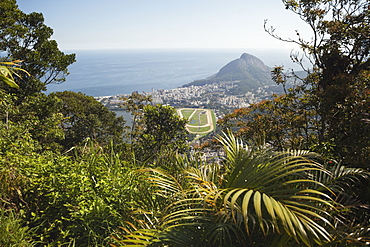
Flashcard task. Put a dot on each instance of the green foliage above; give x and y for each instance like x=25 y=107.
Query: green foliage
x=7 y=70
x=84 y=117
x=12 y=233
x=163 y=130
x=340 y=54
x=258 y=197
x=156 y=192
x=328 y=108
x=155 y=129
x=135 y=104
x=26 y=37
x=41 y=114
x=83 y=200
x=67 y=201
x=286 y=122
x=59 y=121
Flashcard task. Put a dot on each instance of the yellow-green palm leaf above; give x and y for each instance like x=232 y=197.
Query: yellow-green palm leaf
x=276 y=191
x=8 y=69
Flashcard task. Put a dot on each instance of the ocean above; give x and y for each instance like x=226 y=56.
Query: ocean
x=104 y=73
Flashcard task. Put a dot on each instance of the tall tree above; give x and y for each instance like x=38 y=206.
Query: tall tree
x=134 y=104
x=340 y=53
x=26 y=37
x=84 y=117
x=163 y=129
x=285 y=122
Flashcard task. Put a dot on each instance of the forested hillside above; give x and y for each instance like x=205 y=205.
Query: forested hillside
x=290 y=171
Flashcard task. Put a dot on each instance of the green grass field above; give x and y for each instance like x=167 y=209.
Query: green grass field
x=199 y=129
x=186 y=113
x=198 y=120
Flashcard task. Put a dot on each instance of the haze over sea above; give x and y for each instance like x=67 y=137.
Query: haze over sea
x=107 y=72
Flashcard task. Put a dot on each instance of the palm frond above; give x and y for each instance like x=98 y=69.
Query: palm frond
x=8 y=69
x=208 y=176
x=276 y=191
x=164 y=184
x=138 y=238
x=342 y=178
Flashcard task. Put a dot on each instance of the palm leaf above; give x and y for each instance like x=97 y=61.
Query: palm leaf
x=165 y=184
x=138 y=238
x=342 y=178
x=8 y=69
x=276 y=190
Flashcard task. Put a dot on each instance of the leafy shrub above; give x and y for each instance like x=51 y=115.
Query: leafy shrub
x=70 y=200
x=12 y=233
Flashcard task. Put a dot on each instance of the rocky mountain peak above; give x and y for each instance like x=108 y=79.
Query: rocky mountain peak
x=248 y=72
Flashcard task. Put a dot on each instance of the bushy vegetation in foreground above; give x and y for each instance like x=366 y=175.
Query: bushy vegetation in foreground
x=257 y=196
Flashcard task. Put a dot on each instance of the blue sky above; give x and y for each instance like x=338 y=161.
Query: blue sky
x=166 y=24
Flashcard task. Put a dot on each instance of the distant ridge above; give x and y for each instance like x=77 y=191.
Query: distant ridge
x=247 y=72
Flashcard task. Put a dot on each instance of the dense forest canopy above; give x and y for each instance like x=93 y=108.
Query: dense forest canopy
x=290 y=171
